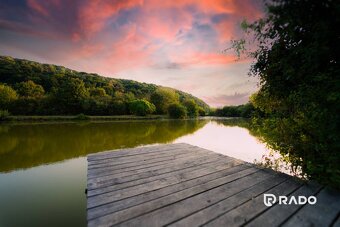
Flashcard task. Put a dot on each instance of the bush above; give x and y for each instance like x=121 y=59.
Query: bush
x=82 y=117
x=201 y=111
x=141 y=107
x=177 y=111
x=162 y=98
x=192 y=108
x=4 y=114
x=7 y=95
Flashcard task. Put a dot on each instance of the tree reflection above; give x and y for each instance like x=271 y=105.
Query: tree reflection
x=29 y=145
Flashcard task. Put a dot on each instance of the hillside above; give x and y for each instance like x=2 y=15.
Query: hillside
x=92 y=93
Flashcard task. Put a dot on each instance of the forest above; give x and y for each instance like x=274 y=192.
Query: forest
x=31 y=88
x=296 y=53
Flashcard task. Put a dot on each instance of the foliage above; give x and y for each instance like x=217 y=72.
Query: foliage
x=141 y=107
x=98 y=92
x=82 y=117
x=192 y=108
x=297 y=61
x=7 y=95
x=4 y=114
x=177 y=111
x=245 y=111
x=55 y=90
x=29 y=89
x=201 y=111
x=162 y=98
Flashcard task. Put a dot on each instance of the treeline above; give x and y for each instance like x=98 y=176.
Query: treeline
x=297 y=61
x=245 y=111
x=31 y=88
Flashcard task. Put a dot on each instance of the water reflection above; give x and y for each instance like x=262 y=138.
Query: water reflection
x=229 y=138
x=29 y=145
x=53 y=195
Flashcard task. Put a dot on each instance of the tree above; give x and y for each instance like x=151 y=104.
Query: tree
x=297 y=60
x=192 y=108
x=29 y=89
x=141 y=107
x=71 y=94
x=162 y=98
x=7 y=96
x=98 y=92
x=177 y=111
x=201 y=111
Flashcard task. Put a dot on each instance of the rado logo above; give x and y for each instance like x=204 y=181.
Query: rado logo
x=270 y=199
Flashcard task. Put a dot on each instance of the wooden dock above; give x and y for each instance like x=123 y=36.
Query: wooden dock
x=184 y=185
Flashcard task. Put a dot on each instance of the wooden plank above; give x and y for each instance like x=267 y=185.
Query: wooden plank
x=320 y=214
x=336 y=221
x=134 y=159
x=121 y=169
x=145 y=213
x=194 y=179
x=183 y=185
x=187 y=162
x=156 y=153
x=137 y=187
x=125 y=172
x=214 y=210
x=277 y=214
x=129 y=183
x=242 y=214
x=134 y=151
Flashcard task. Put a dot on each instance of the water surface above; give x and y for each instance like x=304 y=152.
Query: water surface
x=43 y=166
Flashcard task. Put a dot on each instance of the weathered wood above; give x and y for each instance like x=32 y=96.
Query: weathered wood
x=190 y=205
x=162 y=153
x=277 y=214
x=184 y=185
x=320 y=214
x=113 y=193
x=191 y=181
x=337 y=221
x=203 y=216
x=153 y=165
x=135 y=159
x=252 y=208
x=129 y=213
x=134 y=151
x=189 y=161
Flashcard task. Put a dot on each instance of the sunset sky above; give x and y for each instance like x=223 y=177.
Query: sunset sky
x=166 y=42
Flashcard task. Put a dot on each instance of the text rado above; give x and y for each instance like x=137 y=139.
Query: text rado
x=270 y=200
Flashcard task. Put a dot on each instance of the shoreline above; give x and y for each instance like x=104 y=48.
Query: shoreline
x=84 y=118
x=80 y=118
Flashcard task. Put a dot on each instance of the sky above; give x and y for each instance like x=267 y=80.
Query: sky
x=171 y=43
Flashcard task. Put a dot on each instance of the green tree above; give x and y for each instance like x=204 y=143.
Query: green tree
x=201 y=111
x=177 y=111
x=141 y=107
x=192 y=108
x=29 y=89
x=297 y=60
x=98 y=92
x=7 y=96
x=71 y=94
x=162 y=98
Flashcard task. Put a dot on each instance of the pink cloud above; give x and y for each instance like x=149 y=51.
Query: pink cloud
x=36 y=6
x=94 y=14
x=111 y=37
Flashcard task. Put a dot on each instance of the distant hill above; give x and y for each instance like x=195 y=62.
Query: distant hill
x=14 y=71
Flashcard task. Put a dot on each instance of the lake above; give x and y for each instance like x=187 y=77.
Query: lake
x=43 y=165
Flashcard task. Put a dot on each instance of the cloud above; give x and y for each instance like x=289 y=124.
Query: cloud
x=223 y=100
x=113 y=37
